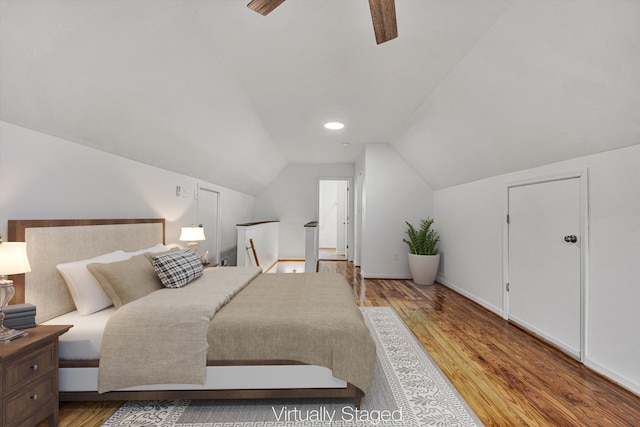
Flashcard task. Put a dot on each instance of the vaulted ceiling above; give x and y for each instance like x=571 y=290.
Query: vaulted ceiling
x=211 y=89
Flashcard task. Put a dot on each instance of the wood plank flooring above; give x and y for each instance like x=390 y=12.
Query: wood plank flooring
x=507 y=376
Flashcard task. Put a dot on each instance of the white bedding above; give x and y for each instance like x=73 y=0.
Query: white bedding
x=84 y=340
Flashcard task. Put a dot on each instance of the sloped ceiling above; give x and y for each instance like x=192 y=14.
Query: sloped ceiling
x=549 y=81
x=208 y=88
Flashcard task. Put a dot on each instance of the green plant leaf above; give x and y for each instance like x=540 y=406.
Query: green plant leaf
x=422 y=241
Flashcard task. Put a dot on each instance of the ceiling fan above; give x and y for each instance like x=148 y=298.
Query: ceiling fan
x=383 y=15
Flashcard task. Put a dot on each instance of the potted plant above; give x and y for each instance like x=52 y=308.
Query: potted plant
x=423 y=252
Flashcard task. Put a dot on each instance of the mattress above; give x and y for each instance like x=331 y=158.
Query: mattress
x=84 y=340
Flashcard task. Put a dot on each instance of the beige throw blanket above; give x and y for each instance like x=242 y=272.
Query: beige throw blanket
x=309 y=317
x=162 y=337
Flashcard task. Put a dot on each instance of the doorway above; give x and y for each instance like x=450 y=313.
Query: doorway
x=208 y=216
x=357 y=229
x=333 y=218
x=546 y=238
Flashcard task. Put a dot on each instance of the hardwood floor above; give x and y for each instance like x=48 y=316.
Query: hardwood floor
x=329 y=254
x=508 y=377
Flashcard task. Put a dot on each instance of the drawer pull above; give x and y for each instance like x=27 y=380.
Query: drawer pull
x=34 y=397
x=34 y=367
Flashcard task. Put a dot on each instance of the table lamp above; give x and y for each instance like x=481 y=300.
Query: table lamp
x=13 y=260
x=192 y=235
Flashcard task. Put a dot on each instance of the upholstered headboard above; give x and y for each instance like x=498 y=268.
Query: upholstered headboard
x=51 y=242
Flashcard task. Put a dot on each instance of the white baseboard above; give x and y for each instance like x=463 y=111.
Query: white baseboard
x=623 y=382
x=366 y=275
x=472 y=297
x=596 y=367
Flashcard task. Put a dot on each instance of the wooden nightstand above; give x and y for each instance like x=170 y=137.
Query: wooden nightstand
x=29 y=369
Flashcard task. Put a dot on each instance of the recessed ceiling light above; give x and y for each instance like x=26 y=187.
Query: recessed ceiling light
x=345 y=144
x=334 y=125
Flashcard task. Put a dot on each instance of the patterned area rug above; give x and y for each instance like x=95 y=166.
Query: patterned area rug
x=408 y=390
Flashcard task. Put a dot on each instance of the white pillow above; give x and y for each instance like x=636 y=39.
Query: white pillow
x=86 y=292
x=153 y=249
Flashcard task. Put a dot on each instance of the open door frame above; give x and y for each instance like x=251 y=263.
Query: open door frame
x=218 y=234
x=349 y=201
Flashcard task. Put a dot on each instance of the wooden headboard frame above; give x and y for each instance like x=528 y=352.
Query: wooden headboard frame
x=98 y=240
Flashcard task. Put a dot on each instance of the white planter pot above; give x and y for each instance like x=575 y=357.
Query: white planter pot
x=424 y=268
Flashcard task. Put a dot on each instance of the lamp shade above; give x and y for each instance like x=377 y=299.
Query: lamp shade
x=192 y=234
x=13 y=258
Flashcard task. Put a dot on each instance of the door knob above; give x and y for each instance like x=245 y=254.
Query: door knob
x=571 y=238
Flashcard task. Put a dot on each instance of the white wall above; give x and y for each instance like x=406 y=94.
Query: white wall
x=292 y=199
x=470 y=218
x=266 y=241
x=392 y=194
x=44 y=177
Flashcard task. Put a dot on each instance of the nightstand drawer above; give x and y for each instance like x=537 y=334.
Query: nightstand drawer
x=22 y=371
x=29 y=383
x=37 y=397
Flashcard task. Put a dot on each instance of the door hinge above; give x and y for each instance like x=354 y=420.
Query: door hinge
x=508 y=219
x=507 y=286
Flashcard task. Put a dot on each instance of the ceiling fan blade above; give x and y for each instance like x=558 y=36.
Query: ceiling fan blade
x=264 y=7
x=383 y=15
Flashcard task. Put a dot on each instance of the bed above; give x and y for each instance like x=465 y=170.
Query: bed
x=253 y=358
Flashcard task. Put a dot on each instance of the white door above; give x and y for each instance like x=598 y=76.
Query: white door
x=544 y=290
x=341 y=217
x=357 y=219
x=208 y=217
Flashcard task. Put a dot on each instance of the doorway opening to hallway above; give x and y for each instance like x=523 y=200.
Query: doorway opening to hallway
x=333 y=219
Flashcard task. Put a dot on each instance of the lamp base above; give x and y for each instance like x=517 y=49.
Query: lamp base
x=6 y=293
x=7 y=335
x=193 y=246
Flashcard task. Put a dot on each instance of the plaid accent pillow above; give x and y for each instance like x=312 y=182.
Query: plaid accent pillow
x=176 y=269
